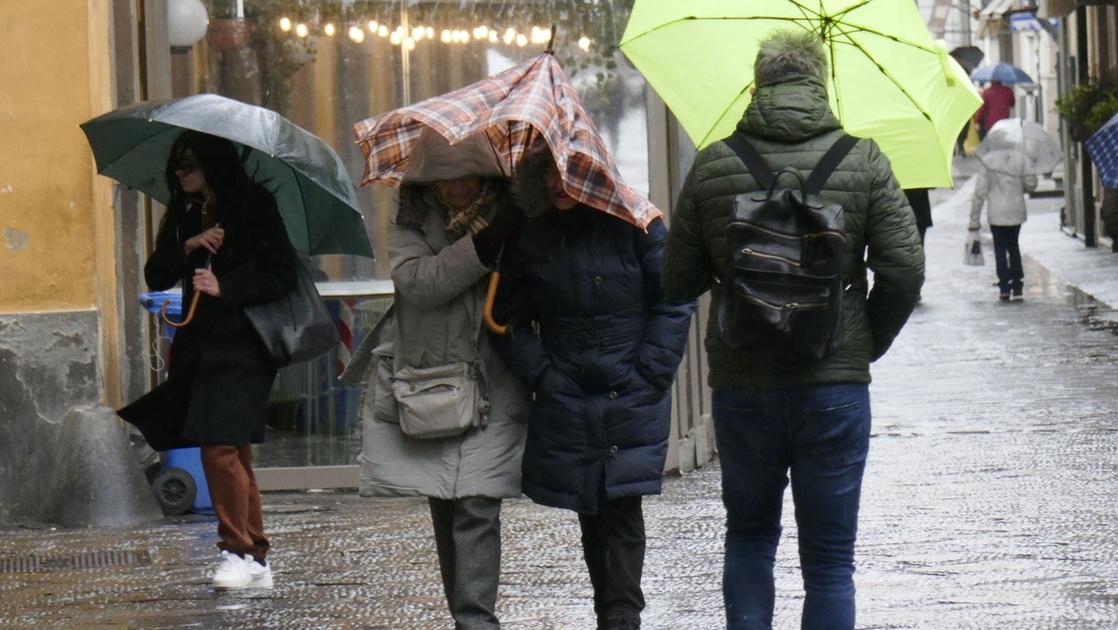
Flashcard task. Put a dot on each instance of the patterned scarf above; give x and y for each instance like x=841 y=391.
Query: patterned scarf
x=470 y=219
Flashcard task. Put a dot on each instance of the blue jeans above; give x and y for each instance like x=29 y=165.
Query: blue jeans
x=820 y=433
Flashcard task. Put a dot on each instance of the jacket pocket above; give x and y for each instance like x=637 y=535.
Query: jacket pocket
x=384 y=402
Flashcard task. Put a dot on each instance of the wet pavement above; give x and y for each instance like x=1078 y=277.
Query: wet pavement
x=989 y=499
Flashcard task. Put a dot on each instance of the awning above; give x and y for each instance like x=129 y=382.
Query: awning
x=990 y=17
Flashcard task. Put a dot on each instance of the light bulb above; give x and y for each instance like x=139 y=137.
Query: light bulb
x=418 y=32
x=357 y=34
x=521 y=40
x=493 y=39
x=382 y=30
x=409 y=43
x=395 y=38
x=373 y=26
x=430 y=32
x=584 y=43
x=446 y=36
x=301 y=29
x=329 y=29
x=285 y=24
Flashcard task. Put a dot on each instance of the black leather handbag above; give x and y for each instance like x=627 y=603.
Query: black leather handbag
x=296 y=327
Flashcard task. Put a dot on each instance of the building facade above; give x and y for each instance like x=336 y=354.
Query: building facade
x=72 y=329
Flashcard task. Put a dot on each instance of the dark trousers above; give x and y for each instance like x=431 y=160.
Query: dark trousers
x=821 y=434
x=468 y=539
x=236 y=499
x=1007 y=257
x=613 y=544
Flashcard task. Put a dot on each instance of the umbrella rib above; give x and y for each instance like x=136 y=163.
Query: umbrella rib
x=131 y=148
x=723 y=115
x=834 y=77
x=884 y=72
x=692 y=18
x=907 y=42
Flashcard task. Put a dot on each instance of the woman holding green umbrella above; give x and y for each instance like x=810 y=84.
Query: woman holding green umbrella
x=221 y=237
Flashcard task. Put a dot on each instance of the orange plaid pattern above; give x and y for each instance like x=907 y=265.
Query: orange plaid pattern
x=513 y=108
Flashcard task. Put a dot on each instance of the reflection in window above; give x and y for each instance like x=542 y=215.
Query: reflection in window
x=327 y=64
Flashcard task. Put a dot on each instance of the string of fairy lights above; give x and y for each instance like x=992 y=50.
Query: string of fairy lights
x=409 y=38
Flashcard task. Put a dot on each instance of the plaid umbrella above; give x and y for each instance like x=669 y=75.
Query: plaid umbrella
x=489 y=126
x=1103 y=147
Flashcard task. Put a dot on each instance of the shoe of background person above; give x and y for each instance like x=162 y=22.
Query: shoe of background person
x=1004 y=296
x=1016 y=296
x=261 y=574
x=233 y=572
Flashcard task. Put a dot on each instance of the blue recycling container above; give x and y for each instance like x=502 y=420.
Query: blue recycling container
x=188 y=459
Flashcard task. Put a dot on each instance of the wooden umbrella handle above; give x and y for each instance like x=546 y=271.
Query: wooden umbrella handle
x=189 y=313
x=487 y=311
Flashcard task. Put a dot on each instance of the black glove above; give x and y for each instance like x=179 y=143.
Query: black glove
x=503 y=227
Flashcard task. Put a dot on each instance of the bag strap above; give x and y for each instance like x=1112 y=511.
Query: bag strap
x=752 y=160
x=828 y=163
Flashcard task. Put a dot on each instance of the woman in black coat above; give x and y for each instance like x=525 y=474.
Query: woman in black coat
x=222 y=236
x=601 y=367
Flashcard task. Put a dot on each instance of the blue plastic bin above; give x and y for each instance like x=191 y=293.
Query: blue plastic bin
x=188 y=459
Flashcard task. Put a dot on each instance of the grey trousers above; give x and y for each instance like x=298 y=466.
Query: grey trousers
x=468 y=539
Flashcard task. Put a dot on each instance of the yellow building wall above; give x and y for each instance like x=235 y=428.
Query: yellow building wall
x=48 y=236
x=57 y=244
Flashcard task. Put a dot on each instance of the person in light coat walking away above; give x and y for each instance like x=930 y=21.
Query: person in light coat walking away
x=1001 y=188
x=442 y=244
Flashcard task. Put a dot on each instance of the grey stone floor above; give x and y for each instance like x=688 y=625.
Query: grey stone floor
x=989 y=500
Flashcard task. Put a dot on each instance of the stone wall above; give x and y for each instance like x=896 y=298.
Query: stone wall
x=48 y=364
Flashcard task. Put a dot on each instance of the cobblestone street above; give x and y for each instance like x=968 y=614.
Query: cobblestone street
x=989 y=500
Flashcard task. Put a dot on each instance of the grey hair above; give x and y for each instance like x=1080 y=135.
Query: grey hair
x=787 y=53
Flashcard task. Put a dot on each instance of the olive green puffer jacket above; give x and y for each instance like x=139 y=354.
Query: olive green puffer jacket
x=791 y=124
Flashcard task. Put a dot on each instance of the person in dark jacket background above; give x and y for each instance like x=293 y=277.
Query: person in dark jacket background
x=601 y=367
x=222 y=236
x=812 y=419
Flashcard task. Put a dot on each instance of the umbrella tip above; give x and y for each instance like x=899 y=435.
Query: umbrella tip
x=551 y=41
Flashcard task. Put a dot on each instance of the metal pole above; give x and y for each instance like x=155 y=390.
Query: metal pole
x=1090 y=234
x=966 y=25
x=405 y=55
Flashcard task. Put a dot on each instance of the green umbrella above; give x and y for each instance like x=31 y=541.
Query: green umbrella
x=312 y=188
x=890 y=80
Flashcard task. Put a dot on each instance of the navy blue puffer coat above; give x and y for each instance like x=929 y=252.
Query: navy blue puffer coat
x=603 y=362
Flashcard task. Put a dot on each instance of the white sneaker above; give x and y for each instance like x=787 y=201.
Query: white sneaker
x=233 y=572
x=261 y=574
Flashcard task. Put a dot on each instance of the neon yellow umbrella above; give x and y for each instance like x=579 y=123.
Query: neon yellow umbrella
x=890 y=80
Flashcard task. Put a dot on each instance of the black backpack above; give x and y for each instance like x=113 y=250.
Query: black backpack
x=783 y=296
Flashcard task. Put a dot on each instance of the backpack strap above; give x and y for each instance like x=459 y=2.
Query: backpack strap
x=828 y=163
x=752 y=160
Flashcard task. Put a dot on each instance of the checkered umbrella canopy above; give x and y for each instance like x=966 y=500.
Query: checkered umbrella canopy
x=510 y=111
x=1103 y=147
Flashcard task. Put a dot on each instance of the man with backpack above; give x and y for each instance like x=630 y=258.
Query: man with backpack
x=781 y=222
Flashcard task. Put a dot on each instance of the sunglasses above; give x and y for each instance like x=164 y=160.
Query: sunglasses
x=186 y=165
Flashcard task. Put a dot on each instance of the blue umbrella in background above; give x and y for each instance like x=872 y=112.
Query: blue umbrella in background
x=1004 y=72
x=1103 y=147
